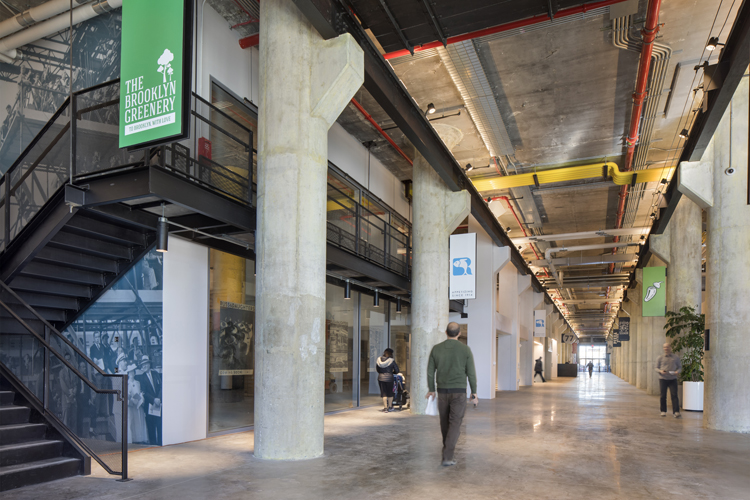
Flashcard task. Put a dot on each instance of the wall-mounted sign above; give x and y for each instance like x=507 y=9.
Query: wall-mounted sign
x=654 y=291
x=155 y=79
x=616 y=335
x=463 y=255
x=624 y=329
x=616 y=344
x=540 y=323
x=569 y=338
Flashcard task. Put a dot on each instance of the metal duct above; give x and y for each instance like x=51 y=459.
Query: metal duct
x=462 y=62
x=35 y=15
x=9 y=44
x=584 y=235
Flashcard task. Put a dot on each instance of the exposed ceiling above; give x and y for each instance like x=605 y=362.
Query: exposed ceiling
x=546 y=94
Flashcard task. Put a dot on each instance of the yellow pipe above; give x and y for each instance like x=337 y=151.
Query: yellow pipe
x=572 y=174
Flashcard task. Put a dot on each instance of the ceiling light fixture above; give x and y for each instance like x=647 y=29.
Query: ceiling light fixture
x=653 y=215
x=684 y=133
x=376 y=300
x=347 y=291
x=469 y=167
x=398 y=305
x=713 y=42
x=430 y=109
x=162 y=232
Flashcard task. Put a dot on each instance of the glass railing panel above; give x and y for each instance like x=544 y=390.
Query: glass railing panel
x=23 y=355
x=98 y=129
x=96 y=419
x=39 y=173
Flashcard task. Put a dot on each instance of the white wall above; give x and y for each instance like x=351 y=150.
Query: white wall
x=219 y=55
x=507 y=345
x=185 y=355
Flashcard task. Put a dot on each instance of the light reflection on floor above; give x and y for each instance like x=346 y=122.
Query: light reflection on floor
x=566 y=439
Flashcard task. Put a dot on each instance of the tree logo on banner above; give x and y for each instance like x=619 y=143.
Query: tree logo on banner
x=165 y=65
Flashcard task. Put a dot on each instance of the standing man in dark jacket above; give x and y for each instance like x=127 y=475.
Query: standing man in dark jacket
x=386 y=367
x=454 y=363
x=538 y=369
x=150 y=381
x=668 y=367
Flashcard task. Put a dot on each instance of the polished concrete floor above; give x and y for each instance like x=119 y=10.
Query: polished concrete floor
x=566 y=439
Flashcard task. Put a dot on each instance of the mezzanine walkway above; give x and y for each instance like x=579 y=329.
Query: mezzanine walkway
x=566 y=439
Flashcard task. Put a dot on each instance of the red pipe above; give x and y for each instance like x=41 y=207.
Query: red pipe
x=382 y=132
x=505 y=27
x=249 y=41
x=649 y=32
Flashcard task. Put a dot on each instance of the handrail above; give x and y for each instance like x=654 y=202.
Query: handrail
x=225 y=115
x=56 y=332
x=121 y=394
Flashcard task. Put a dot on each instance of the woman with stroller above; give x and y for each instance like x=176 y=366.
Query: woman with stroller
x=386 y=367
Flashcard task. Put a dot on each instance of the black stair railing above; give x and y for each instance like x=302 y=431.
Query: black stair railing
x=87 y=404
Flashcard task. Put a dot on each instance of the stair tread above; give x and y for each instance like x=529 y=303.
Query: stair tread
x=39 y=464
x=12 y=427
x=29 y=444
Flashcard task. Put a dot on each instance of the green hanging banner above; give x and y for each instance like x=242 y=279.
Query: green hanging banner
x=155 y=78
x=654 y=291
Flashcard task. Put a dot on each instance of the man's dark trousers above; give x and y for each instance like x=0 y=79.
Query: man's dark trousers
x=672 y=385
x=452 y=407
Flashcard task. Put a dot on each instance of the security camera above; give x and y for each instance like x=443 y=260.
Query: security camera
x=729 y=171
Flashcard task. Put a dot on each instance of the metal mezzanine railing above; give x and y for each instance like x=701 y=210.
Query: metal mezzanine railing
x=353 y=227
x=73 y=152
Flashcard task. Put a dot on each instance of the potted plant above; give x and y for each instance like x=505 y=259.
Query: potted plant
x=686 y=329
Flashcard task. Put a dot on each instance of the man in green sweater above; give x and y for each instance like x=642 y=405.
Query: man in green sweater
x=453 y=363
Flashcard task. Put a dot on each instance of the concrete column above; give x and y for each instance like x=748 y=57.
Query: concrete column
x=507 y=326
x=727 y=362
x=437 y=212
x=305 y=83
x=482 y=320
x=685 y=247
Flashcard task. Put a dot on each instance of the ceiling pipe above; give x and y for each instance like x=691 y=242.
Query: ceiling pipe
x=580 y=9
x=35 y=15
x=650 y=30
x=583 y=235
x=587 y=261
x=382 y=132
x=9 y=44
x=249 y=41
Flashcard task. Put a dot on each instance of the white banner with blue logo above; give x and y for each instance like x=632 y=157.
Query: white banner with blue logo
x=540 y=323
x=463 y=266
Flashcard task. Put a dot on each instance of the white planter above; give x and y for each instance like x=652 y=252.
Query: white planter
x=692 y=396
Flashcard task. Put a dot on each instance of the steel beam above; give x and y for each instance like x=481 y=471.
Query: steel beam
x=342 y=258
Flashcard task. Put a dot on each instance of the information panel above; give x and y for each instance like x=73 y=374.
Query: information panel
x=624 y=329
x=155 y=71
x=463 y=254
x=654 y=291
x=540 y=323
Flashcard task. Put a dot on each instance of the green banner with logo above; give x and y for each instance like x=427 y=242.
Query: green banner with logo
x=155 y=71
x=654 y=291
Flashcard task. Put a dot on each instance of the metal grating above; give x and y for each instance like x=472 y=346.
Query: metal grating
x=462 y=62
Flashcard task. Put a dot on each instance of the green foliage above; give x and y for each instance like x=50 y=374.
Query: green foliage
x=686 y=329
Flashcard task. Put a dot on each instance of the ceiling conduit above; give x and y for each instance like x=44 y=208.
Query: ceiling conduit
x=649 y=32
x=9 y=44
x=36 y=14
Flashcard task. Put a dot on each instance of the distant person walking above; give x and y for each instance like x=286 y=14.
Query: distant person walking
x=668 y=367
x=386 y=367
x=453 y=363
x=538 y=369
x=590 y=366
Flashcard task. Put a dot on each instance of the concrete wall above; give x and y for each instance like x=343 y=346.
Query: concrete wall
x=185 y=355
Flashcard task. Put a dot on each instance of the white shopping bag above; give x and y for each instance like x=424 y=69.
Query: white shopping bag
x=432 y=408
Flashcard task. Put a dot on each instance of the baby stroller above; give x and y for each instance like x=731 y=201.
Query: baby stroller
x=400 y=394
